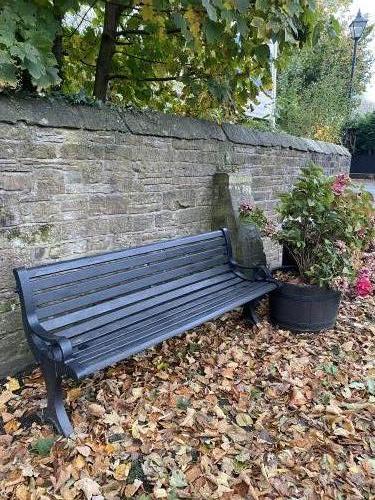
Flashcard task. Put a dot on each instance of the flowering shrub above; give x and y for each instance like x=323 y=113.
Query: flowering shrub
x=327 y=224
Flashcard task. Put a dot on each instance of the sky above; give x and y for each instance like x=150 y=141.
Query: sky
x=367 y=8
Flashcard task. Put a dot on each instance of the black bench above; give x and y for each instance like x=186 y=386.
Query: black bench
x=85 y=314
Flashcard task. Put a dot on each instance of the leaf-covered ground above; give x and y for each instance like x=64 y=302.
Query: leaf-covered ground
x=226 y=411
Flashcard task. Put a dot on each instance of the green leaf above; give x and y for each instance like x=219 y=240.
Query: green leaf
x=242 y=5
x=43 y=446
x=262 y=5
x=210 y=9
x=212 y=31
x=257 y=22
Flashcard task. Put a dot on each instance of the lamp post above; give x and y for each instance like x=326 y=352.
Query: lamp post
x=357 y=27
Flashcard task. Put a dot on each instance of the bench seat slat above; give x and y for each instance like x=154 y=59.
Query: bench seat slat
x=126 y=288
x=154 y=322
x=149 y=312
x=81 y=370
x=122 y=313
x=107 y=280
x=51 y=279
x=110 y=305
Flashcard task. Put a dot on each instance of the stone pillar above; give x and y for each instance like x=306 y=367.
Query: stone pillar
x=229 y=190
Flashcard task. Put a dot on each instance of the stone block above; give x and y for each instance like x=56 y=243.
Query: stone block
x=81 y=151
x=178 y=199
x=144 y=222
x=15 y=181
x=167 y=125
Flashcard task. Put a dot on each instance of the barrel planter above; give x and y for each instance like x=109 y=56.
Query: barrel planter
x=302 y=308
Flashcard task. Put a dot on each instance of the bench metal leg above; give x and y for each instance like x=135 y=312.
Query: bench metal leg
x=55 y=411
x=249 y=312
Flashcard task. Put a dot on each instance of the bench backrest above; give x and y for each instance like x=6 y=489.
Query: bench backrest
x=77 y=295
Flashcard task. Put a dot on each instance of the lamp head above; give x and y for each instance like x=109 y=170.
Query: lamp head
x=357 y=26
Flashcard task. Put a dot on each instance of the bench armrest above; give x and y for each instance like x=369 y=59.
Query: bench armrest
x=61 y=347
x=262 y=273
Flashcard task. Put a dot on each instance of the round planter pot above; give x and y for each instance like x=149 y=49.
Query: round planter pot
x=302 y=308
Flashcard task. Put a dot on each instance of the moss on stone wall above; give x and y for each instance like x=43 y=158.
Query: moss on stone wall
x=41 y=234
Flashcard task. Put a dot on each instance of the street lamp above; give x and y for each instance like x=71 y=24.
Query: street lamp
x=357 y=27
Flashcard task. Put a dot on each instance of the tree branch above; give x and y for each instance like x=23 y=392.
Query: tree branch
x=151 y=61
x=82 y=19
x=145 y=32
x=150 y=79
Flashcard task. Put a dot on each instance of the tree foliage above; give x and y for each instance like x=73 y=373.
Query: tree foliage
x=28 y=30
x=364 y=132
x=313 y=88
x=200 y=57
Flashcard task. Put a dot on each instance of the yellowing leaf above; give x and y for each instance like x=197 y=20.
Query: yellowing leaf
x=22 y=492
x=135 y=430
x=122 y=471
x=11 y=426
x=131 y=489
x=79 y=462
x=243 y=419
x=74 y=394
x=147 y=13
x=5 y=396
x=12 y=384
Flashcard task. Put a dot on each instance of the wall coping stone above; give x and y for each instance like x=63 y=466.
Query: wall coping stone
x=45 y=112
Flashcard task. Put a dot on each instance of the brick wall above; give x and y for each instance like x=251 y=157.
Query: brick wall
x=79 y=180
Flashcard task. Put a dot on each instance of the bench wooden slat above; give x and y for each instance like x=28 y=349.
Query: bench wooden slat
x=110 y=305
x=126 y=288
x=103 y=281
x=123 y=313
x=83 y=263
x=152 y=325
x=82 y=370
x=158 y=309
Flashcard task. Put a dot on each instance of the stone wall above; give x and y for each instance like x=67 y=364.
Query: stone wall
x=76 y=180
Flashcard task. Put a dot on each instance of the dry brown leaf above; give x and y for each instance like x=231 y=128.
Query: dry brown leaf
x=297 y=397
x=131 y=489
x=89 y=487
x=96 y=410
x=243 y=419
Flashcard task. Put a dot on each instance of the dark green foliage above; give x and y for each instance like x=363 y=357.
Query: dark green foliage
x=364 y=130
x=28 y=30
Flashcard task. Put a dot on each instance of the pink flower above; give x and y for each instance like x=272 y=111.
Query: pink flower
x=246 y=207
x=363 y=286
x=340 y=183
x=270 y=229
